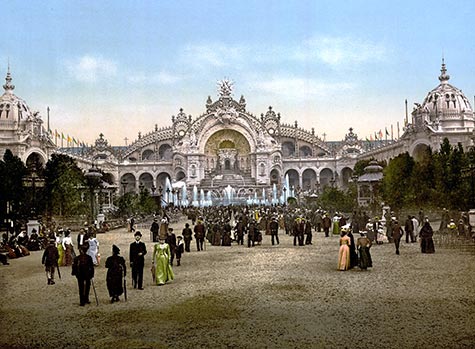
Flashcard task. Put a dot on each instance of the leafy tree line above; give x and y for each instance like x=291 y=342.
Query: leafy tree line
x=440 y=179
x=65 y=190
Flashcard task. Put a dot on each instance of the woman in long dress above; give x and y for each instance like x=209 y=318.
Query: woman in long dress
x=59 y=246
x=363 y=243
x=344 y=252
x=336 y=224
x=426 y=233
x=68 y=248
x=161 y=263
x=93 y=249
x=116 y=271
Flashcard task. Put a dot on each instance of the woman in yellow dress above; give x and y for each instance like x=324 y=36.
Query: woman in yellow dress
x=59 y=245
x=344 y=253
x=161 y=267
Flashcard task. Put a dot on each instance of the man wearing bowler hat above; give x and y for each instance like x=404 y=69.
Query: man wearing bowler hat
x=136 y=256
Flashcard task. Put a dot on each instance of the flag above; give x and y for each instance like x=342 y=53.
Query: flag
x=387 y=133
x=56 y=134
x=375 y=136
x=75 y=141
x=371 y=137
x=380 y=134
x=62 y=136
x=69 y=139
x=367 y=140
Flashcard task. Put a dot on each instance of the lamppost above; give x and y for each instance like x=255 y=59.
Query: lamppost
x=168 y=196
x=93 y=177
x=285 y=195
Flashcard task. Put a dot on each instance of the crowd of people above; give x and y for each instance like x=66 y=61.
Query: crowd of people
x=222 y=226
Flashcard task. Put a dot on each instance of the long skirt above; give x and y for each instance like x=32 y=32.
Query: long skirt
x=427 y=245
x=336 y=228
x=60 y=255
x=163 y=270
x=344 y=258
x=365 y=260
x=114 y=282
x=68 y=257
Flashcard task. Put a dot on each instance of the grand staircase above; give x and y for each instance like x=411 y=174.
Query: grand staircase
x=227 y=177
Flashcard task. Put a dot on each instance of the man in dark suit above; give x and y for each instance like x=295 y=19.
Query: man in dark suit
x=171 y=241
x=397 y=233
x=83 y=269
x=136 y=256
x=154 y=230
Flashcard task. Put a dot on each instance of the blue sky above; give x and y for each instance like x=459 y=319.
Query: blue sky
x=120 y=67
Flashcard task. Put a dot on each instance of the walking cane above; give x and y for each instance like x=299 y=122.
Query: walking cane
x=95 y=294
x=59 y=272
x=125 y=288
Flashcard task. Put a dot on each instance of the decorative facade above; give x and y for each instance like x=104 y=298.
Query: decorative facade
x=229 y=147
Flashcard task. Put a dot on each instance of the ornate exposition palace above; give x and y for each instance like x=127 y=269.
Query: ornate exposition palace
x=229 y=147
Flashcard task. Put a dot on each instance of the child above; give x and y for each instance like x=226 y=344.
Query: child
x=180 y=248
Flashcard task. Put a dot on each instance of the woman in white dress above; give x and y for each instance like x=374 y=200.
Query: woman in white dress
x=93 y=250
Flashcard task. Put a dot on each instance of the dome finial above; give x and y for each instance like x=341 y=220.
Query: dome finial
x=444 y=77
x=8 y=87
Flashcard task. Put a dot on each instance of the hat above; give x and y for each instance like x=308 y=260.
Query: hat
x=115 y=249
x=179 y=237
x=137 y=233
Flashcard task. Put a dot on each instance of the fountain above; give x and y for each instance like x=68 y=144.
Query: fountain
x=228 y=195
x=209 y=200
x=202 y=198
x=195 y=201
x=184 y=196
x=274 y=195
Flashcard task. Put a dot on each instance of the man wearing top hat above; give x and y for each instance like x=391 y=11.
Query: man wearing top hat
x=136 y=256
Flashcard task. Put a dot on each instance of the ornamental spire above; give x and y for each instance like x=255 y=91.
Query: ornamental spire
x=8 y=87
x=444 y=77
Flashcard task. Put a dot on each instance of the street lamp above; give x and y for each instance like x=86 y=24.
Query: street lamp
x=93 y=177
x=168 y=196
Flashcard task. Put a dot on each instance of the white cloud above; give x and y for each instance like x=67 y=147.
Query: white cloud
x=91 y=69
x=340 y=51
x=215 y=54
x=298 y=88
x=161 y=78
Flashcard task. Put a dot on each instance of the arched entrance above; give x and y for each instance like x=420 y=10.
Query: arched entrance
x=309 y=179
x=326 y=178
x=227 y=151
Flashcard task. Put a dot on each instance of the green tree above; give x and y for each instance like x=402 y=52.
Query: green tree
x=396 y=181
x=12 y=193
x=64 y=184
x=334 y=199
x=422 y=185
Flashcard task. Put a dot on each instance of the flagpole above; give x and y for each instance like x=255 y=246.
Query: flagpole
x=398 y=130
x=392 y=134
x=407 y=119
x=47 y=113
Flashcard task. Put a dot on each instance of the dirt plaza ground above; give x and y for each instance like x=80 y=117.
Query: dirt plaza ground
x=263 y=297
